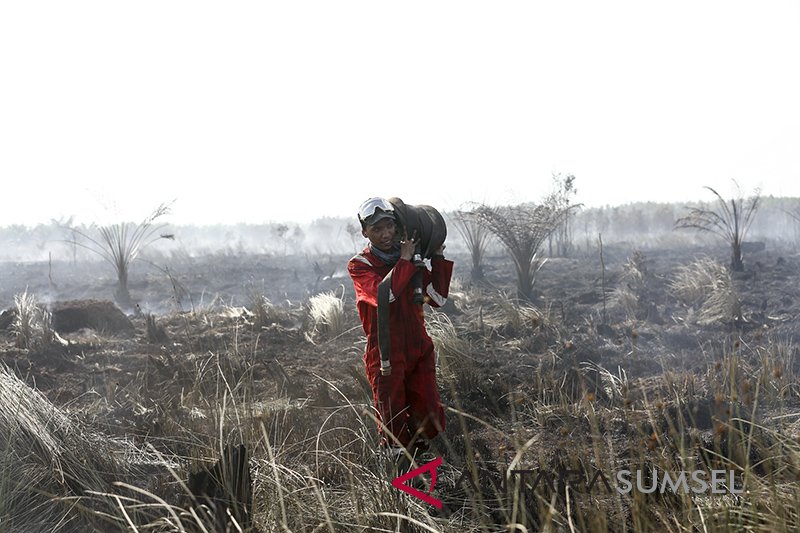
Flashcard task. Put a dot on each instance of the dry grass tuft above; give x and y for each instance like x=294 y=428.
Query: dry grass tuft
x=33 y=324
x=453 y=352
x=520 y=320
x=264 y=312
x=631 y=296
x=50 y=465
x=326 y=311
x=706 y=286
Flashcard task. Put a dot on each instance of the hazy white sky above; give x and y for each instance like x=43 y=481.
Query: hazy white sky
x=258 y=111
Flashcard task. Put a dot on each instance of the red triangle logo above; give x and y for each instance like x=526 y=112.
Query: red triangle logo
x=399 y=482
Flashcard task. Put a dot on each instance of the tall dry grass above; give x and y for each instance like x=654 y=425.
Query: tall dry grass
x=327 y=314
x=316 y=467
x=631 y=296
x=32 y=326
x=52 y=466
x=706 y=287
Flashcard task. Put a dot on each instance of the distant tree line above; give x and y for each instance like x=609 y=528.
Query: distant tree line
x=644 y=224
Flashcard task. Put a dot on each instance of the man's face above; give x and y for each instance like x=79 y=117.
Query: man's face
x=381 y=234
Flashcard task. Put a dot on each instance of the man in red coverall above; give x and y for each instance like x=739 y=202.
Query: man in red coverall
x=407 y=400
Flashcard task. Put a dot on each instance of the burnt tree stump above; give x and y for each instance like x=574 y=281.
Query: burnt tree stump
x=225 y=490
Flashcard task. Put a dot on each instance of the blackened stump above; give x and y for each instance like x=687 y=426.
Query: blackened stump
x=225 y=490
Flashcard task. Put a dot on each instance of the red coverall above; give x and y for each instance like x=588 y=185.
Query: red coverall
x=407 y=399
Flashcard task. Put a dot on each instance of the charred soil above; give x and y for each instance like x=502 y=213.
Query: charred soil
x=603 y=370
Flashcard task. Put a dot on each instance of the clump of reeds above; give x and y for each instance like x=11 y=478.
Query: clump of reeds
x=706 y=286
x=519 y=319
x=264 y=312
x=154 y=331
x=631 y=294
x=51 y=465
x=777 y=375
x=326 y=311
x=454 y=360
x=33 y=324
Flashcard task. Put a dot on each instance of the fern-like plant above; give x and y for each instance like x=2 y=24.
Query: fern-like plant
x=121 y=243
x=522 y=229
x=476 y=237
x=730 y=220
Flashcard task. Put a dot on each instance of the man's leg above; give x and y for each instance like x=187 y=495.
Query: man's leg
x=427 y=414
x=389 y=393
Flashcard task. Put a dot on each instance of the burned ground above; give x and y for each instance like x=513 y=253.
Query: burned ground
x=604 y=369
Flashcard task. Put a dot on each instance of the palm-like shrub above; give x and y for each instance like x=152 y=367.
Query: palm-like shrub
x=476 y=237
x=729 y=221
x=522 y=229
x=120 y=244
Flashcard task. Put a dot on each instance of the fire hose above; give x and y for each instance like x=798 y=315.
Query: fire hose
x=429 y=226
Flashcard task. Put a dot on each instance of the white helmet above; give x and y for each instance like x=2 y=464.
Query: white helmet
x=375 y=209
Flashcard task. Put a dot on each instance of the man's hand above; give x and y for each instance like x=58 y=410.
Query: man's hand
x=408 y=246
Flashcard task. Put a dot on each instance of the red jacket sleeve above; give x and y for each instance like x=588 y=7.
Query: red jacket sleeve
x=437 y=281
x=366 y=279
